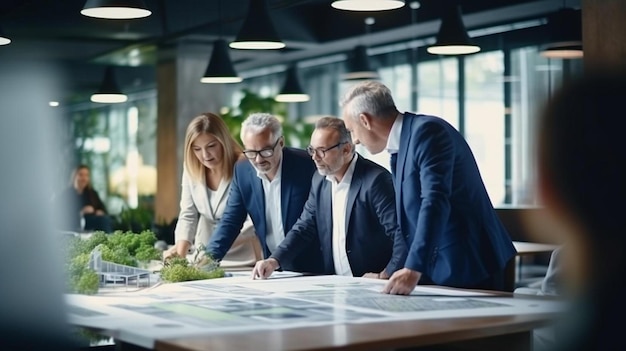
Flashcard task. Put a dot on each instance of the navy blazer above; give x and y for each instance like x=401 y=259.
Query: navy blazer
x=373 y=238
x=455 y=236
x=246 y=197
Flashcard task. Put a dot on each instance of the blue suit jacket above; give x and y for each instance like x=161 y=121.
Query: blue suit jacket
x=246 y=197
x=373 y=238
x=455 y=236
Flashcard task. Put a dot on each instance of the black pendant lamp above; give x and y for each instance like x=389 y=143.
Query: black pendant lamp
x=292 y=90
x=4 y=40
x=452 y=38
x=109 y=92
x=359 y=66
x=116 y=9
x=367 y=5
x=257 y=32
x=566 y=35
x=220 y=68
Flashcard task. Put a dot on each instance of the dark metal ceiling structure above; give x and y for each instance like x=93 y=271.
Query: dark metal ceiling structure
x=55 y=31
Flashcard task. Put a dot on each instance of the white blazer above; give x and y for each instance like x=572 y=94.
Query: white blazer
x=200 y=211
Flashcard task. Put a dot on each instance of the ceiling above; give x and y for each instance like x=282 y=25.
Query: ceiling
x=55 y=31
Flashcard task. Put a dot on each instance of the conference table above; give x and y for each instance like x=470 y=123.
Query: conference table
x=311 y=313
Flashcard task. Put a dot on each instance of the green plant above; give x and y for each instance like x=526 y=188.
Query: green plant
x=134 y=219
x=203 y=266
x=296 y=133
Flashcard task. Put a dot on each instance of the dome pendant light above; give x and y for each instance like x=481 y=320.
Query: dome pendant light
x=565 y=31
x=257 y=32
x=367 y=5
x=116 y=9
x=359 y=65
x=4 y=40
x=109 y=91
x=452 y=38
x=292 y=91
x=220 y=68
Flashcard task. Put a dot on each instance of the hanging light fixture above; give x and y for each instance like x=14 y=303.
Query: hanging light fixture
x=4 y=40
x=359 y=65
x=452 y=38
x=566 y=38
x=116 y=9
x=292 y=90
x=109 y=91
x=359 y=62
x=367 y=5
x=257 y=32
x=220 y=68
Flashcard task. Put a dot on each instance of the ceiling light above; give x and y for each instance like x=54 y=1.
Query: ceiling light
x=452 y=38
x=4 y=40
x=115 y=9
x=292 y=91
x=109 y=92
x=565 y=31
x=367 y=5
x=257 y=31
x=359 y=65
x=220 y=68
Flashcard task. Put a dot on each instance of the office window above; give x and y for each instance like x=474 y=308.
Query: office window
x=437 y=89
x=484 y=119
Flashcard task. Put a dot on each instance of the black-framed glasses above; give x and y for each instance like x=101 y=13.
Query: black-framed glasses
x=265 y=153
x=321 y=152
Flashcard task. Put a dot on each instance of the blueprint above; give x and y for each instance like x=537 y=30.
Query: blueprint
x=239 y=304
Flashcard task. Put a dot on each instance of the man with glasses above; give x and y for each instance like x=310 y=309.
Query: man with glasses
x=271 y=188
x=350 y=210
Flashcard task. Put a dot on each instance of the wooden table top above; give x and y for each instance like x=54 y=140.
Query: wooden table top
x=369 y=336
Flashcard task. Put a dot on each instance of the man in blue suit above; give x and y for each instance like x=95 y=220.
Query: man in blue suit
x=455 y=236
x=351 y=209
x=272 y=189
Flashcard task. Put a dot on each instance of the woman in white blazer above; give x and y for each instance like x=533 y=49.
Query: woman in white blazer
x=209 y=157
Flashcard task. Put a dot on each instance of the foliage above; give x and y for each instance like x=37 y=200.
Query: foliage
x=297 y=133
x=179 y=269
x=134 y=219
x=127 y=248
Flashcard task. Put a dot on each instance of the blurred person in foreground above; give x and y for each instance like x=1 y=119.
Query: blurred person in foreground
x=271 y=188
x=33 y=312
x=210 y=153
x=351 y=209
x=454 y=234
x=582 y=185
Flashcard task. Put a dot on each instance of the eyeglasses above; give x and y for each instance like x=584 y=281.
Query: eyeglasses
x=265 y=153
x=321 y=152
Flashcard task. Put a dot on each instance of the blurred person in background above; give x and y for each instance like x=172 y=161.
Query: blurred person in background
x=87 y=211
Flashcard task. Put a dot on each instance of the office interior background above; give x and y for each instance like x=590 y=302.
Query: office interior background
x=134 y=148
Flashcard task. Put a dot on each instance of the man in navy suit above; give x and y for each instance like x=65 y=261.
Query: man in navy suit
x=455 y=237
x=351 y=209
x=272 y=189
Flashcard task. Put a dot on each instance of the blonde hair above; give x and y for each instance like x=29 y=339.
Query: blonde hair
x=209 y=123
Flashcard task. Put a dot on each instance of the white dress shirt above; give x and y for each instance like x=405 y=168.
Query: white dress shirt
x=339 y=200
x=393 y=142
x=273 y=213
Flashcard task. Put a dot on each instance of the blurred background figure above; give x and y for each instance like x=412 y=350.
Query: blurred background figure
x=32 y=309
x=582 y=185
x=87 y=212
x=210 y=154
